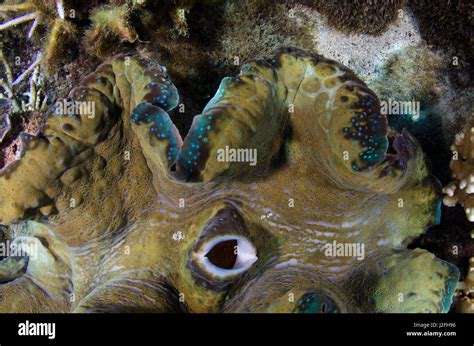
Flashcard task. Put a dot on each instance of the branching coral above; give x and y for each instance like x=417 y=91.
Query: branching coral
x=20 y=109
x=7 y=84
x=32 y=100
x=461 y=189
x=110 y=182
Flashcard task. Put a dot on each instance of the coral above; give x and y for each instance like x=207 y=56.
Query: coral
x=255 y=28
x=447 y=26
x=5 y=122
x=412 y=73
x=119 y=25
x=7 y=84
x=109 y=26
x=359 y=16
x=110 y=182
x=456 y=106
x=19 y=110
x=34 y=97
x=50 y=14
x=461 y=189
x=465 y=298
x=179 y=19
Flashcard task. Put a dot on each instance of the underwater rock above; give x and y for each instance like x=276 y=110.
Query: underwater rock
x=110 y=182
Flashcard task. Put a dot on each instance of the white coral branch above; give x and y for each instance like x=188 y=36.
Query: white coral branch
x=18 y=20
x=28 y=70
x=35 y=102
